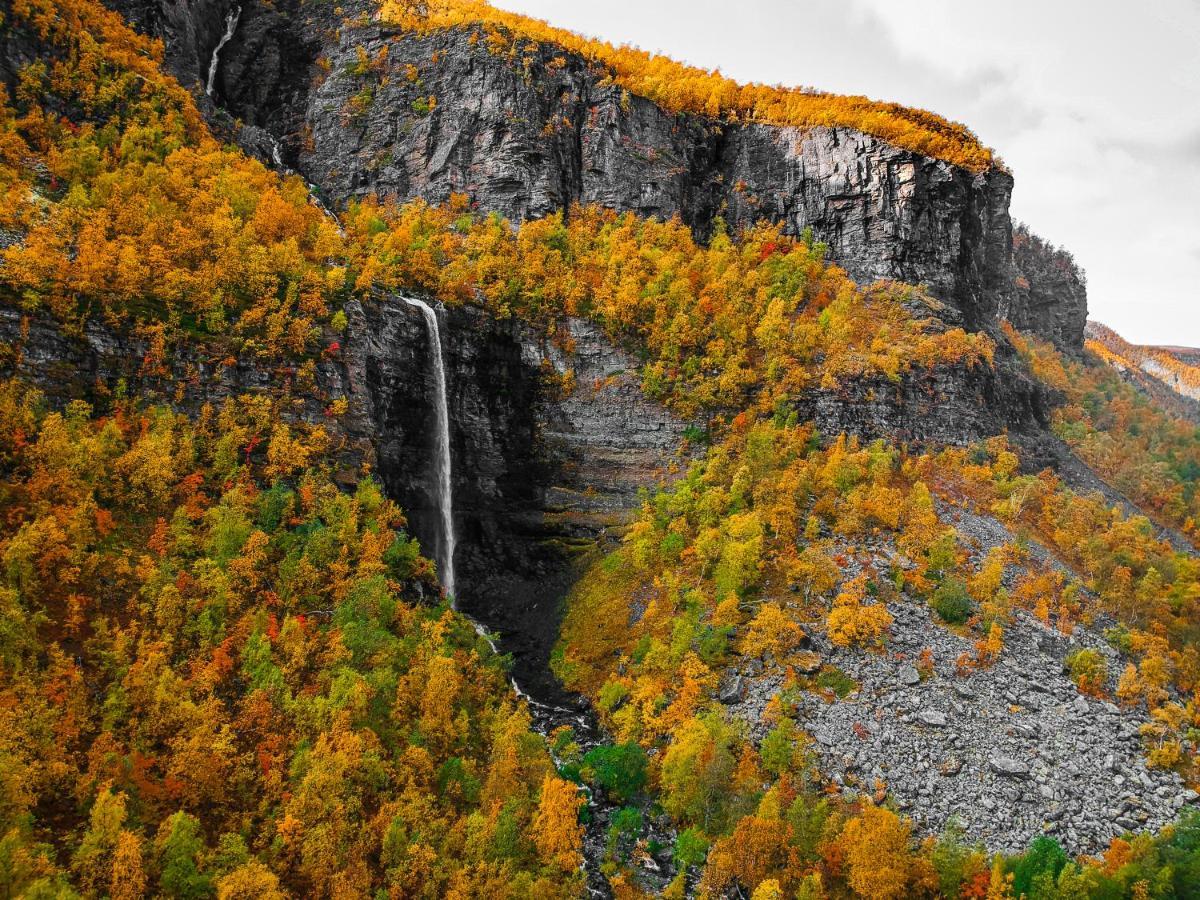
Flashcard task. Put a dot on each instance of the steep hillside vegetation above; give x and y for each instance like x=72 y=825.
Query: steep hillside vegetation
x=851 y=605
x=1151 y=368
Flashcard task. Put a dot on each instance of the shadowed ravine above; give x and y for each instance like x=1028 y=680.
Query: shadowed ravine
x=502 y=624
x=528 y=635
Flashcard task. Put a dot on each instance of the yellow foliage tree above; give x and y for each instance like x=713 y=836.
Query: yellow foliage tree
x=250 y=881
x=772 y=631
x=556 y=829
x=852 y=623
x=879 y=860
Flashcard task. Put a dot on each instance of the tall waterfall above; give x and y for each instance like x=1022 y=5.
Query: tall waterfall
x=441 y=462
x=231 y=24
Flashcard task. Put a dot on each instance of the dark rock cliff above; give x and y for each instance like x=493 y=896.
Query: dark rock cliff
x=189 y=30
x=530 y=134
x=1049 y=296
x=949 y=405
x=528 y=137
x=539 y=473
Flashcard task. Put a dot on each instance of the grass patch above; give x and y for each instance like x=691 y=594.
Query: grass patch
x=833 y=680
x=595 y=624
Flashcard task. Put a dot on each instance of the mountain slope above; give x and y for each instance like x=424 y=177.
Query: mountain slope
x=1168 y=374
x=229 y=670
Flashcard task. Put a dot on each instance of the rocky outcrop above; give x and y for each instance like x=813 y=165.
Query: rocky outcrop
x=948 y=405
x=540 y=473
x=189 y=30
x=1049 y=296
x=425 y=116
x=358 y=108
x=262 y=79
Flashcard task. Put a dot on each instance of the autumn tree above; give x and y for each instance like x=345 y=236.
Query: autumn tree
x=878 y=857
x=556 y=829
x=854 y=623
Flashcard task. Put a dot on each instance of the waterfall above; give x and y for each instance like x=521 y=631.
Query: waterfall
x=315 y=199
x=231 y=24
x=441 y=463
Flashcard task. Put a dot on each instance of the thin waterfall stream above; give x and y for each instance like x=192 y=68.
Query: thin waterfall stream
x=231 y=24
x=441 y=461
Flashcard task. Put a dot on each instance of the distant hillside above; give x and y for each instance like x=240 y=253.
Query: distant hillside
x=1169 y=374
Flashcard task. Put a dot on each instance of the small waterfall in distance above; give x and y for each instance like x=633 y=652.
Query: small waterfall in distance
x=441 y=462
x=231 y=24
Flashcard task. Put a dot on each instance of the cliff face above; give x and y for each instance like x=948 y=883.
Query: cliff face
x=189 y=30
x=539 y=474
x=527 y=139
x=440 y=113
x=1049 y=296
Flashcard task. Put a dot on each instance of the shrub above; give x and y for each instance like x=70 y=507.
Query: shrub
x=772 y=631
x=831 y=678
x=852 y=623
x=1042 y=861
x=624 y=828
x=690 y=848
x=1089 y=670
x=620 y=771
x=951 y=601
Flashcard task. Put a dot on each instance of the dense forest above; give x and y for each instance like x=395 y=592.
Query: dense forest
x=224 y=672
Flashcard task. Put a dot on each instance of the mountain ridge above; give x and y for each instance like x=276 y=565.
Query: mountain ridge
x=524 y=142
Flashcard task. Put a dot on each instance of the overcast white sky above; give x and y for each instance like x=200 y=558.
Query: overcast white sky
x=1093 y=104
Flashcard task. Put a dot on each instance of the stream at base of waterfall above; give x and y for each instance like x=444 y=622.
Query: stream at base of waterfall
x=547 y=717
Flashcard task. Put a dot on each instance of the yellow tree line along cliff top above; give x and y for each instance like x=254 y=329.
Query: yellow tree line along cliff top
x=690 y=89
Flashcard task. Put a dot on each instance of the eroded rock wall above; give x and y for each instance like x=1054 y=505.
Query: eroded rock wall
x=358 y=108
x=1049 y=296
